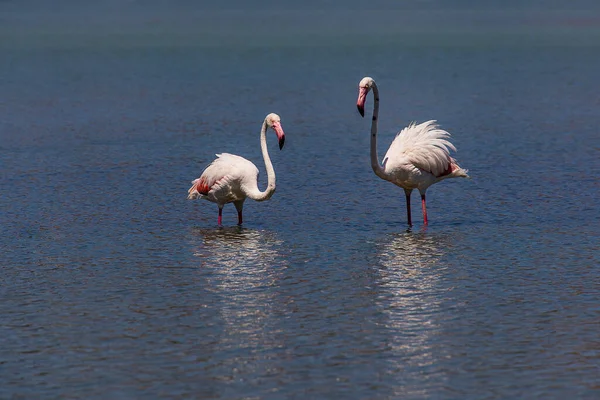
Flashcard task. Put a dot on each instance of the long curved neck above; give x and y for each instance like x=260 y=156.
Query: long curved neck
x=377 y=168
x=256 y=194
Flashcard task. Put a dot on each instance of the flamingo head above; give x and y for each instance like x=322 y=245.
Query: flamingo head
x=363 y=89
x=274 y=122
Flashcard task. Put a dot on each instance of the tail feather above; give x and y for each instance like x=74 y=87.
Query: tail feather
x=460 y=172
x=193 y=192
x=453 y=171
x=456 y=171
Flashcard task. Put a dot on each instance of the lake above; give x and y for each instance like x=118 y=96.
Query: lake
x=116 y=286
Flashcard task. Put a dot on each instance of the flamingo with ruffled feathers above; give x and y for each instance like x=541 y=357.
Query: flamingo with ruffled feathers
x=418 y=157
x=232 y=179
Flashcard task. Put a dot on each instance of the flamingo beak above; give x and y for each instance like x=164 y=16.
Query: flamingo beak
x=279 y=132
x=362 y=97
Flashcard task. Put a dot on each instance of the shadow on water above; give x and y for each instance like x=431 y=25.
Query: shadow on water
x=412 y=297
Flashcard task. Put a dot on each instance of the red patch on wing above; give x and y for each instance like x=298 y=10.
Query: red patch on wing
x=451 y=168
x=202 y=186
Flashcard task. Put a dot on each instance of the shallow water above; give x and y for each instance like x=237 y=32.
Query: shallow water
x=114 y=285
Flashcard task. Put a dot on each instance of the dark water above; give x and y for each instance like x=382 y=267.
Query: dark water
x=115 y=286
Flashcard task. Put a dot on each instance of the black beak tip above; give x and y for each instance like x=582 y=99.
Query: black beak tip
x=281 y=142
x=361 y=110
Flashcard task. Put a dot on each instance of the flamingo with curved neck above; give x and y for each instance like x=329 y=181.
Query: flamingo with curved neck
x=231 y=178
x=418 y=157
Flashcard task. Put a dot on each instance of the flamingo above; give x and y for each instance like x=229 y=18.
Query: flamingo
x=418 y=157
x=231 y=178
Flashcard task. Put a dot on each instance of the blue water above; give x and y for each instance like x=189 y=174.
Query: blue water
x=116 y=286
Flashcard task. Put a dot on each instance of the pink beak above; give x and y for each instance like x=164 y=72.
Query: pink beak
x=362 y=97
x=279 y=132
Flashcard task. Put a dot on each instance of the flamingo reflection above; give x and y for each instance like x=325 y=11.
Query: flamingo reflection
x=241 y=266
x=413 y=300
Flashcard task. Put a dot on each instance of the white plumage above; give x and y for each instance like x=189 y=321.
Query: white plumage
x=231 y=178
x=225 y=180
x=418 y=157
x=424 y=145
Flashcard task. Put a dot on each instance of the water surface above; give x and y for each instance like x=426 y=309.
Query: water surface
x=115 y=286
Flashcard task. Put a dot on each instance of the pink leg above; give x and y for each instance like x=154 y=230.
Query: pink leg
x=220 y=216
x=424 y=207
x=407 y=192
x=239 y=217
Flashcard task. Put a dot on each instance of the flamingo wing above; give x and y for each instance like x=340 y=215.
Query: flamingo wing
x=425 y=146
x=223 y=177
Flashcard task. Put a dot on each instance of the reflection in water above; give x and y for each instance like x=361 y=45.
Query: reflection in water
x=236 y=246
x=241 y=266
x=411 y=272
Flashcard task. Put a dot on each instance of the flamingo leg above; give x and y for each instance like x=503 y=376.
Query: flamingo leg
x=407 y=192
x=424 y=207
x=220 y=216
x=239 y=206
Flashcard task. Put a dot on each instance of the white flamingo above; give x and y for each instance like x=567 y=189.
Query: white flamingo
x=418 y=157
x=231 y=178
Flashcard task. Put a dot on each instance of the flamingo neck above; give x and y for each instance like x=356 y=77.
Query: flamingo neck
x=377 y=168
x=256 y=194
